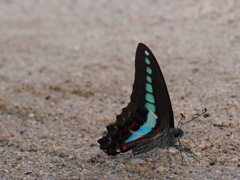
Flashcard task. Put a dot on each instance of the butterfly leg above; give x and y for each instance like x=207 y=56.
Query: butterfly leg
x=144 y=147
x=168 y=155
x=192 y=156
x=168 y=152
x=180 y=148
x=188 y=153
x=186 y=150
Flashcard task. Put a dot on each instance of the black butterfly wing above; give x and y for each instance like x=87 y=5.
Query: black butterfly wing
x=149 y=72
x=148 y=114
x=129 y=121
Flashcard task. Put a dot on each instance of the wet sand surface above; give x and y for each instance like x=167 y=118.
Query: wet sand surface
x=67 y=68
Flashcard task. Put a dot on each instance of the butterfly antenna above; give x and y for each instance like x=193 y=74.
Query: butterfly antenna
x=195 y=116
x=179 y=122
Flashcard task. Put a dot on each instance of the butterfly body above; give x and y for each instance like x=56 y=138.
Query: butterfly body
x=147 y=122
x=164 y=140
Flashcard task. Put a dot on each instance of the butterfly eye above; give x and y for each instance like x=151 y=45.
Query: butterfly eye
x=176 y=133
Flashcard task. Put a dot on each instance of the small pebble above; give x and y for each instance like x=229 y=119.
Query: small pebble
x=204 y=146
x=18 y=167
x=235 y=160
x=161 y=169
x=212 y=163
x=93 y=145
x=142 y=170
x=71 y=157
x=206 y=115
x=22 y=131
x=30 y=115
x=19 y=158
x=136 y=161
x=28 y=173
x=40 y=174
x=173 y=152
x=47 y=97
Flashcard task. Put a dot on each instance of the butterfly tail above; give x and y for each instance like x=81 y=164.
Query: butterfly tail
x=129 y=121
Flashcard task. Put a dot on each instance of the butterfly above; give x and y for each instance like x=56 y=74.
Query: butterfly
x=147 y=121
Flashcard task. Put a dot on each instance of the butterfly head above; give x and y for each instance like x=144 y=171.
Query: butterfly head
x=174 y=135
x=177 y=133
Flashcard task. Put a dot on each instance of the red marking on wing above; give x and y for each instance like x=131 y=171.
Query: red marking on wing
x=133 y=124
x=159 y=127
x=124 y=147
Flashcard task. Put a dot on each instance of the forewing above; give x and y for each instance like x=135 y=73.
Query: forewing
x=149 y=88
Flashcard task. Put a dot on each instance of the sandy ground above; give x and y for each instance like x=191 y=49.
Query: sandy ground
x=67 y=68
